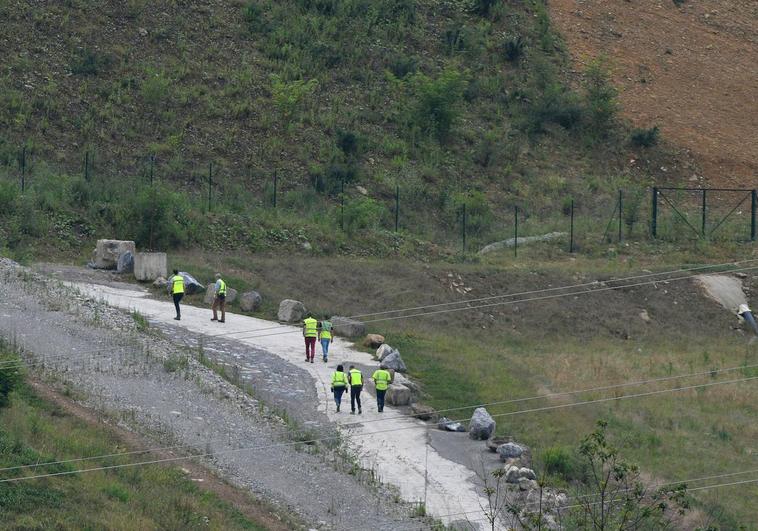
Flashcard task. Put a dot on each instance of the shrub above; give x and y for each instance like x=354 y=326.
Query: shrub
x=601 y=97
x=10 y=374
x=289 y=96
x=348 y=143
x=153 y=218
x=362 y=213
x=437 y=101
x=645 y=137
x=89 y=63
x=483 y=7
x=561 y=462
x=9 y=192
x=513 y=48
x=156 y=89
x=479 y=216
x=254 y=18
x=402 y=66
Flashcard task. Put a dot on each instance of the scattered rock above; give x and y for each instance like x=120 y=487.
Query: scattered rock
x=160 y=283
x=361 y=190
x=645 y=316
x=210 y=294
x=527 y=484
x=142 y=32
x=106 y=253
x=398 y=395
x=344 y=326
x=521 y=241
x=423 y=412
x=509 y=450
x=410 y=384
x=125 y=262
x=741 y=275
x=527 y=473
x=307 y=246
x=383 y=351
x=481 y=425
x=448 y=425
x=514 y=474
x=494 y=442
x=373 y=341
x=250 y=301
x=291 y=311
x=191 y=285
x=394 y=362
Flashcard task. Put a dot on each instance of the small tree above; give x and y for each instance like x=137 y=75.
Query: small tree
x=601 y=97
x=289 y=96
x=437 y=101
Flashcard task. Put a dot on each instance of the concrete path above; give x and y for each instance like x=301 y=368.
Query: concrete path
x=395 y=447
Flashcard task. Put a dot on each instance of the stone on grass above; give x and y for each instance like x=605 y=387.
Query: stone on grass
x=398 y=395
x=125 y=263
x=494 y=442
x=482 y=425
x=448 y=425
x=160 y=283
x=510 y=450
x=373 y=341
x=250 y=301
x=382 y=351
x=191 y=285
x=394 y=362
x=423 y=412
x=346 y=327
x=527 y=473
x=514 y=474
x=106 y=253
x=291 y=311
x=210 y=294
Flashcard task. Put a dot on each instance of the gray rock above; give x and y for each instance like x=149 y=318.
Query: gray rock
x=373 y=341
x=344 y=326
x=291 y=311
x=448 y=425
x=250 y=301
x=482 y=425
x=527 y=473
x=210 y=294
x=494 y=442
x=398 y=395
x=510 y=450
x=382 y=351
x=125 y=263
x=106 y=253
x=512 y=474
x=423 y=412
x=191 y=285
x=393 y=361
x=497 y=246
x=160 y=283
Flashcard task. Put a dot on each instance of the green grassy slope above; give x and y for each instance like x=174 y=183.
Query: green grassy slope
x=455 y=102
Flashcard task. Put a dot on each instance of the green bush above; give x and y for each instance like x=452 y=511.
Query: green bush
x=9 y=192
x=10 y=375
x=402 y=66
x=483 y=7
x=645 y=137
x=255 y=18
x=89 y=63
x=362 y=213
x=513 y=48
x=601 y=97
x=156 y=88
x=479 y=216
x=561 y=462
x=155 y=218
x=437 y=101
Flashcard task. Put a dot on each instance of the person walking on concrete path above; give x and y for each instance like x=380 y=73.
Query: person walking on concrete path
x=325 y=337
x=339 y=384
x=219 y=300
x=355 y=379
x=310 y=333
x=176 y=288
x=382 y=378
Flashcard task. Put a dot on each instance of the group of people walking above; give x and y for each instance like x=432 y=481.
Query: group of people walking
x=175 y=286
x=354 y=379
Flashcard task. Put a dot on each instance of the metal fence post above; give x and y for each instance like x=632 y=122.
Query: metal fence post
x=704 y=218
x=571 y=229
x=463 y=229
x=152 y=167
x=397 y=207
x=753 y=205
x=22 y=166
x=86 y=165
x=275 y=185
x=210 y=183
x=654 y=220
x=515 y=232
x=342 y=204
x=621 y=214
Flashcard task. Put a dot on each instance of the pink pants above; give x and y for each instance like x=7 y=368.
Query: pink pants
x=310 y=348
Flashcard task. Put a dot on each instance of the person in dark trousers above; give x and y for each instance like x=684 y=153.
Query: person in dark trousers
x=355 y=379
x=219 y=299
x=310 y=333
x=382 y=378
x=176 y=288
x=339 y=384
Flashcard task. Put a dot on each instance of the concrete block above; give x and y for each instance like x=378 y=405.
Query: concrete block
x=150 y=266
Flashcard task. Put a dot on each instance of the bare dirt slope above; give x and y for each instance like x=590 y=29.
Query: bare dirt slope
x=691 y=69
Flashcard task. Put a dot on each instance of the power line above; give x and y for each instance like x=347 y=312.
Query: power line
x=366 y=434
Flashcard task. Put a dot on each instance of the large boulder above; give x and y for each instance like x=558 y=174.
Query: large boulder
x=373 y=341
x=291 y=311
x=250 y=301
x=393 y=361
x=514 y=474
x=382 y=351
x=398 y=395
x=150 y=266
x=160 y=283
x=106 y=253
x=482 y=425
x=210 y=294
x=191 y=285
x=344 y=326
x=125 y=263
x=510 y=450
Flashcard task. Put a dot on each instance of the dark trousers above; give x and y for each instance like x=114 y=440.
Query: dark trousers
x=380 y=399
x=310 y=348
x=355 y=396
x=177 y=298
x=338 y=390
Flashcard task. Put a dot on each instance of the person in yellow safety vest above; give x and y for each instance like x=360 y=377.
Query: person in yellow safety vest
x=176 y=288
x=382 y=378
x=310 y=333
x=219 y=299
x=325 y=337
x=339 y=384
x=355 y=379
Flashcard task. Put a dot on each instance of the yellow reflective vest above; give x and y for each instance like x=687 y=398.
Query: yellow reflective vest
x=326 y=330
x=177 y=285
x=311 y=327
x=382 y=379
x=356 y=378
x=222 y=287
x=339 y=379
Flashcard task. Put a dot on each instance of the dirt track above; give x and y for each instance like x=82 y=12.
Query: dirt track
x=691 y=69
